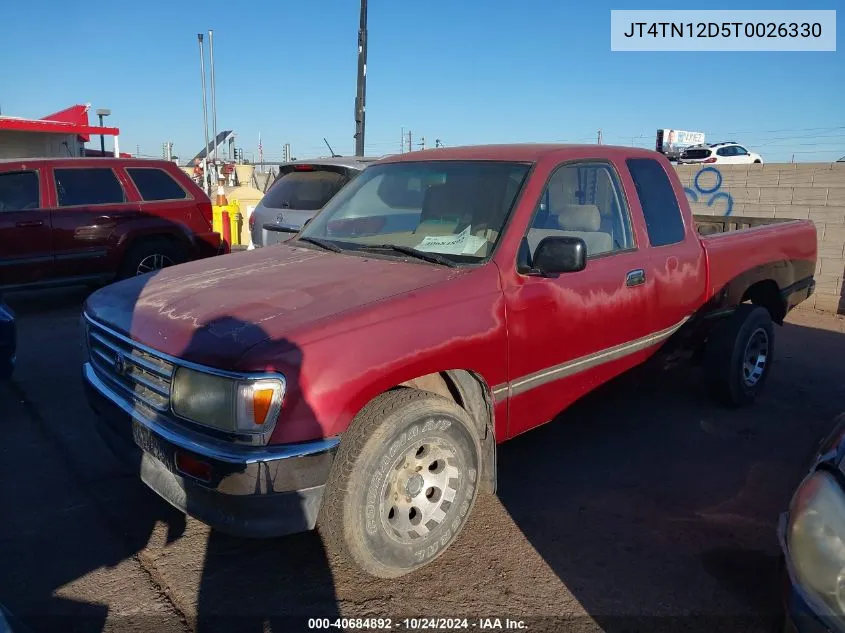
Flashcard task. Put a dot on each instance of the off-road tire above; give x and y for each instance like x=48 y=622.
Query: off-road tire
x=727 y=355
x=145 y=250
x=362 y=518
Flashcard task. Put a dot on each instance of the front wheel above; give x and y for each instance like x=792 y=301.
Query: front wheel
x=739 y=355
x=403 y=483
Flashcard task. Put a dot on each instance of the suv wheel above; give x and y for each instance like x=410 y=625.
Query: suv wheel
x=149 y=256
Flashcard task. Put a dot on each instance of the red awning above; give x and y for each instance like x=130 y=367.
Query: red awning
x=54 y=127
x=72 y=120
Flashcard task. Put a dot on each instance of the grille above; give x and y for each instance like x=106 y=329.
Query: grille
x=142 y=377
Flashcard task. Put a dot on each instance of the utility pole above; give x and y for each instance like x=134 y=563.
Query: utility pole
x=360 y=100
x=410 y=144
x=402 y=141
x=599 y=140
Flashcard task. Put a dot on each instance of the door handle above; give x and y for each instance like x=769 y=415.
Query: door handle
x=635 y=277
x=30 y=224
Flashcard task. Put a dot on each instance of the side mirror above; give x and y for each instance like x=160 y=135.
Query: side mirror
x=559 y=254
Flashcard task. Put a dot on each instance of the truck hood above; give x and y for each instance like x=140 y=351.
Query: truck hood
x=213 y=310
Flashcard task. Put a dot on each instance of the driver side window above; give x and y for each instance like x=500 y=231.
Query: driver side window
x=19 y=191
x=584 y=200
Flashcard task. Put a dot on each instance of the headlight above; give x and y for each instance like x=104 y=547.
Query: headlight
x=238 y=405
x=816 y=539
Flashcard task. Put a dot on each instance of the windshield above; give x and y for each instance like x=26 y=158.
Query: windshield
x=456 y=209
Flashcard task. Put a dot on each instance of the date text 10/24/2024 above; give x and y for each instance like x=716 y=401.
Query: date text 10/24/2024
x=418 y=624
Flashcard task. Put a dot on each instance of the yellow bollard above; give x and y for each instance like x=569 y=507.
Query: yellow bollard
x=237 y=221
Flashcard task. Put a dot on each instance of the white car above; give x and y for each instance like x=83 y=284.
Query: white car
x=723 y=153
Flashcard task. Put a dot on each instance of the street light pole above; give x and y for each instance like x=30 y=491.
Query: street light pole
x=204 y=112
x=360 y=100
x=103 y=113
x=213 y=92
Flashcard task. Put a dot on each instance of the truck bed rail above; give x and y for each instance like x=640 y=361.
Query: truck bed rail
x=710 y=224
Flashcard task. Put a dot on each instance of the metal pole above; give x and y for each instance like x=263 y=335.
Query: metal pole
x=361 y=99
x=213 y=91
x=204 y=114
x=102 y=139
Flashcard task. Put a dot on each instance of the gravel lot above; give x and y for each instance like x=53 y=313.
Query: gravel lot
x=643 y=501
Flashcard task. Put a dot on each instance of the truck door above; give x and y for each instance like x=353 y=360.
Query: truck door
x=676 y=255
x=570 y=333
x=25 y=252
x=91 y=204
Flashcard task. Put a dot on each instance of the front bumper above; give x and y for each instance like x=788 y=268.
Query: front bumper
x=801 y=612
x=251 y=492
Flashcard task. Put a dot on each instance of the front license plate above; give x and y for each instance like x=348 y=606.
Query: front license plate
x=150 y=445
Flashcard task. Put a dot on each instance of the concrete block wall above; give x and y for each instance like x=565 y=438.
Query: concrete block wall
x=814 y=191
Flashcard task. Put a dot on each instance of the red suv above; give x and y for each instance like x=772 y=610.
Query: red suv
x=94 y=220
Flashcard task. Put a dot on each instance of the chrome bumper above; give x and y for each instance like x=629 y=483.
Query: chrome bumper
x=251 y=491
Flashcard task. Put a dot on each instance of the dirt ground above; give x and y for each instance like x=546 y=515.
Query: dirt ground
x=643 y=505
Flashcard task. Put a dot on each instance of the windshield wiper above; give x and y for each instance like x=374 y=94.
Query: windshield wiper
x=434 y=258
x=326 y=244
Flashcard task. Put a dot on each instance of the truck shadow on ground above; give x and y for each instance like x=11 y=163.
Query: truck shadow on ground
x=657 y=508
x=80 y=512
x=243 y=585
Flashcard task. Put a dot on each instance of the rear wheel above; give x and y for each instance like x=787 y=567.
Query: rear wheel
x=149 y=256
x=403 y=483
x=739 y=355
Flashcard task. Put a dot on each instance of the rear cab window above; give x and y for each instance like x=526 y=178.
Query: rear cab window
x=155 y=184
x=86 y=186
x=658 y=200
x=19 y=191
x=306 y=187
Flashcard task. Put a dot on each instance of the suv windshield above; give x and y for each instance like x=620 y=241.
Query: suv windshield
x=455 y=209
x=305 y=189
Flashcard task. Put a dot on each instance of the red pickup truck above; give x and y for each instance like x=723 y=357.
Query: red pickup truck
x=74 y=221
x=358 y=377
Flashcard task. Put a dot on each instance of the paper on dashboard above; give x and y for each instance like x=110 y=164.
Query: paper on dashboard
x=463 y=243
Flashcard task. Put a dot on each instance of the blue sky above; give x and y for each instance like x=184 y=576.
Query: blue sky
x=463 y=71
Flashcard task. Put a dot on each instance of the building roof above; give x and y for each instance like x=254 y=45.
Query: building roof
x=72 y=120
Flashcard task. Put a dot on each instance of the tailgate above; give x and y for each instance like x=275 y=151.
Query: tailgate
x=758 y=248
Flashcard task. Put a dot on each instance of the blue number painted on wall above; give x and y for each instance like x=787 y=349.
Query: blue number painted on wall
x=712 y=191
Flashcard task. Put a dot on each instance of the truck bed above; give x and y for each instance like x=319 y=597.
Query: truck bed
x=742 y=250
x=710 y=224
